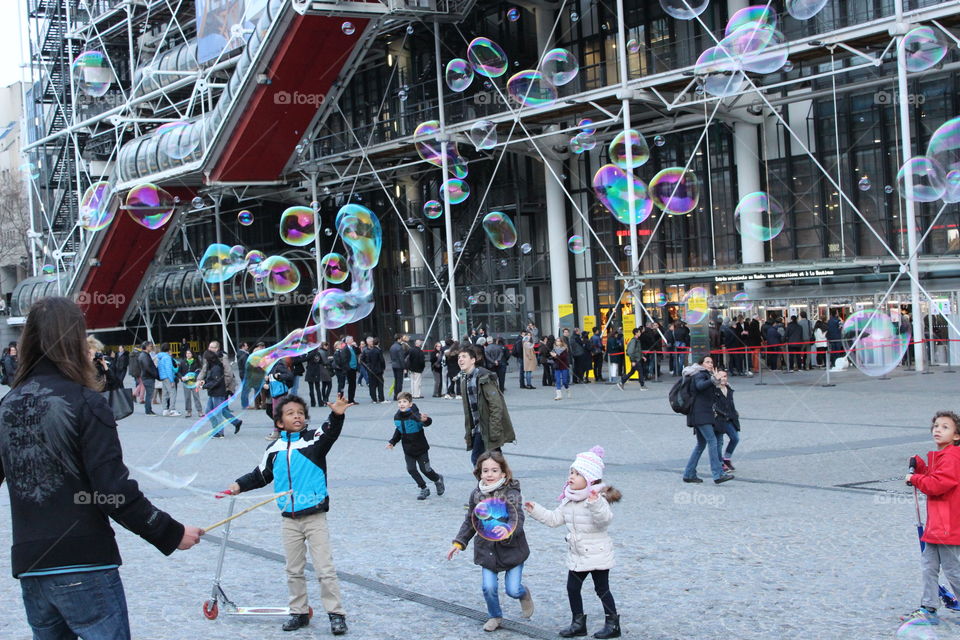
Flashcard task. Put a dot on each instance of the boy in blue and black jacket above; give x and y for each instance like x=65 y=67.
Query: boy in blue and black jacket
x=409 y=424
x=297 y=463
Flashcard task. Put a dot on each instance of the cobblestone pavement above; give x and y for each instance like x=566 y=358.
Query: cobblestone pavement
x=814 y=539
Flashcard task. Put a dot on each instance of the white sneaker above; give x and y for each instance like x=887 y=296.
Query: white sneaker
x=569 y=393
x=559 y=395
x=174 y=413
x=166 y=413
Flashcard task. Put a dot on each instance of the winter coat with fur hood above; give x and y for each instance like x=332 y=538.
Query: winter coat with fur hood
x=589 y=545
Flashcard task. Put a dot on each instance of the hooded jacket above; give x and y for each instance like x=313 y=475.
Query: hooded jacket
x=704 y=388
x=408 y=429
x=61 y=457
x=939 y=479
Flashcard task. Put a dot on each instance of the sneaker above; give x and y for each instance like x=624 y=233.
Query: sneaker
x=526 y=603
x=459 y=398
x=296 y=621
x=424 y=493
x=558 y=396
x=693 y=480
x=923 y=616
x=152 y=414
x=620 y=386
x=644 y=388
x=236 y=426
x=166 y=413
x=338 y=624
x=728 y=465
x=174 y=414
x=492 y=624
x=724 y=478
x=440 y=486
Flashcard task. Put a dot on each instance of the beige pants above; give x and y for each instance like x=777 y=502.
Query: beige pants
x=416 y=384
x=298 y=534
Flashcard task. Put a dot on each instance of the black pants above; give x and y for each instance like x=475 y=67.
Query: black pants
x=597 y=367
x=547 y=375
x=601 y=584
x=375 y=383
x=637 y=366
x=424 y=461
x=397 y=382
x=452 y=384
x=437 y=383
x=502 y=376
x=351 y=376
x=315 y=395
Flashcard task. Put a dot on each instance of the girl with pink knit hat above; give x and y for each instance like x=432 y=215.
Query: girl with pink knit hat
x=585 y=509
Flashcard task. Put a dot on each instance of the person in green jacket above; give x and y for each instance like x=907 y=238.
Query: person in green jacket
x=487 y=425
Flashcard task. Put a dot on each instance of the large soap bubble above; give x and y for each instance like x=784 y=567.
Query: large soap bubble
x=531 y=89
x=178 y=140
x=500 y=230
x=754 y=16
x=426 y=141
x=95 y=210
x=483 y=135
x=921 y=179
x=457 y=189
x=874 y=342
x=487 y=58
x=805 y=9
x=432 y=209
x=149 y=205
x=92 y=74
x=494 y=519
x=695 y=305
x=334 y=267
x=459 y=75
x=282 y=276
x=637 y=144
x=684 y=9
x=610 y=185
x=944 y=148
x=721 y=70
x=559 y=66
x=675 y=191
x=360 y=230
x=922 y=48
x=219 y=263
x=298 y=226
x=759 y=216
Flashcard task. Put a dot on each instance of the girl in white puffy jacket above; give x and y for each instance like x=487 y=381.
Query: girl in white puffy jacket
x=585 y=509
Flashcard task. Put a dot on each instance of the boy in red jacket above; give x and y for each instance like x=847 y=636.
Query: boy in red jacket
x=939 y=479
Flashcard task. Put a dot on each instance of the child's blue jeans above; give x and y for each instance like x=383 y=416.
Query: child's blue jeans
x=491 y=587
x=562 y=378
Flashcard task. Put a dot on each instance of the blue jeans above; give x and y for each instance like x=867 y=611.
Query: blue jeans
x=148 y=386
x=528 y=378
x=491 y=586
x=562 y=378
x=731 y=432
x=296 y=386
x=705 y=438
x=245 y=395
x=88 y=603
x=225 y=413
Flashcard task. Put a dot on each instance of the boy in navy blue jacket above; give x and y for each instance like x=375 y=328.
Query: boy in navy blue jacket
x=409 y=424
x=297 y=462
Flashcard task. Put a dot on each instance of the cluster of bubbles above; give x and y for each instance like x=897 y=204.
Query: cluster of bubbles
x=500 y=230
x=874 y=342
x=759 y=216
x=494 y=519
x=360 y=230
x=936 y=175
x=585 y=139
x=92 y=74
x=221 y=262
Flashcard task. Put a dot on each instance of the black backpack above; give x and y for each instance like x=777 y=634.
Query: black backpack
x=681 y=395
x=134 y=367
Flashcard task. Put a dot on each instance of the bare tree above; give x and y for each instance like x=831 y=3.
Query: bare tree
x=14 y=218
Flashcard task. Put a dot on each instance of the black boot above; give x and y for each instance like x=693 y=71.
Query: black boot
x=338 y=624
x=296 y=621
x=577 y=628
x=611 y=628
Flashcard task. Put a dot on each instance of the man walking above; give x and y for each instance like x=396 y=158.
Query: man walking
x=397 y=358
x=637 y=364
x=148 y=375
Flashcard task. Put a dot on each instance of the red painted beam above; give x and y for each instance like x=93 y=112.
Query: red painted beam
x=304 y=68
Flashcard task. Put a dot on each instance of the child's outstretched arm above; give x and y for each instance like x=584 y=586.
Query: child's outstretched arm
x=541 y=514
x=466 y=533
x=599 y=508
x=392 y=442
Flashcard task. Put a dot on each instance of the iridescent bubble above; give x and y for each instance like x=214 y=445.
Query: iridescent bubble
x=504 y=262
x=238 y=255
x=458 y=190
x=494 y=519
x=360 y=230
x=888 y=189
x=805 y=9
x=788 y=66
x=197 y=203
x=637 y=145
x=254 y=256
x=432 y=209
x=421 y=228
x=149 y=205
x=742 y=300
x=675 y=191
x=334 y=267
x=659 y=140
x=328 y=232
x=282 y=276
x=864 y=184
x=348 y=28
x=531 y=89
x=218 y=264
x=874 y=342
x=721 y=71
x=95 y=210
x=402 y=95
x=297 y=226
x=661 y=300
x=483 y=135
x=695 y=305
x=409 y=29
x=487 y=58
x=576 y=245
x=768 y=56
x=684 y=9
x=633 y=45
x=610 y=185
x=189 y=380
x=759 y=216
x=559 y=67
x=245 y=218
x=426 y=141
x=91 y=73
x=472 y=300
x=944 y=148
x=459 y=75
x=748 y=40
x=582 y=142
x=525 y=248
x=586 y=126
x=49 y=273
x=627 y=250
x=500 y=230
x=457 y=247
x=755 y=16
x=513 y=14
x=923 y=47
x=574 y=16
x=927 y=180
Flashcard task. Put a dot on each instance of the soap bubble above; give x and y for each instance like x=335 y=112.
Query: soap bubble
x=637 y=145
x=245 y=218
x=576 y=245
x=627 y=250
x=759 y=216
x=425 y=140
x=888 y=189
x=178 y=140
x=360 y=230
x=927 y=177
x=297 y=226
x=661 y=300
x=458 y=189
x=459 y=75
x=742 y=299
x=684 y=9
x=610 y=185
x=504 y=262
x=695 y=302
x=633 y=45
x=432 y=209
x=805 y=9
x=95 y=210
x=282 y=276
x=348 y=28
x=659 y=140
x=334 y=267
x=754 y=16
x=500 y=230
x=721 y=71
x=457 y=247
x=880 y=346
x=421 y=228
x=513 y=14
x=30 y=170
x=219 y=264
x=864 y=184
x=189 y=380
x=92 y=74
x=494 y=519
x=574 y=16
x=675 y=191
x=788 y=66
x=483 y=135
x=582 y=142
x=944 y=148
x=487 y=58
x=531 y=89
x=49 y=273
x=586 y=126
x=409 y=29
x=923 y=47
x=559 y=67
x=254 y=256
x=149 y=205
x=525 y=248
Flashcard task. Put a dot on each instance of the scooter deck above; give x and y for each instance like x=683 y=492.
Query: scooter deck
x=258 y=611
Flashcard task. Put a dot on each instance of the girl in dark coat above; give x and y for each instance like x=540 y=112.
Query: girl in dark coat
x=726 y=420
x=436 y=366
x=495 y=516
x=701 y=419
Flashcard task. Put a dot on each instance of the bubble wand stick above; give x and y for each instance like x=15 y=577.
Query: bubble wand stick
x=247 y=510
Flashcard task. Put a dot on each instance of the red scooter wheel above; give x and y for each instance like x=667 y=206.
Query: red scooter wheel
x=210 y=610
x=310 y=612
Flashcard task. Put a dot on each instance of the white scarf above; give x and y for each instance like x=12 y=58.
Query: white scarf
x=490 y=488
x=579 y=495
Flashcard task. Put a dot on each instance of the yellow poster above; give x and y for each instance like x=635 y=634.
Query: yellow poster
x=589 y=322
x=629 y=322
x=565 y=313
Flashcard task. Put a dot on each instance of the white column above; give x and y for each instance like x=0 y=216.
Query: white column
x=416 y=257
x=557 y=240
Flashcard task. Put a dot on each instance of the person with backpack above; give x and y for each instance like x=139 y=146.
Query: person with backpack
x=697 y=392
x=596 y=354
x=635 y=353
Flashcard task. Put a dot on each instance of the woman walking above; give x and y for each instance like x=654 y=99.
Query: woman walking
x=701 y=418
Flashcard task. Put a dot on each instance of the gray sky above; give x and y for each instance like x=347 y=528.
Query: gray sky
x=11 y=55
